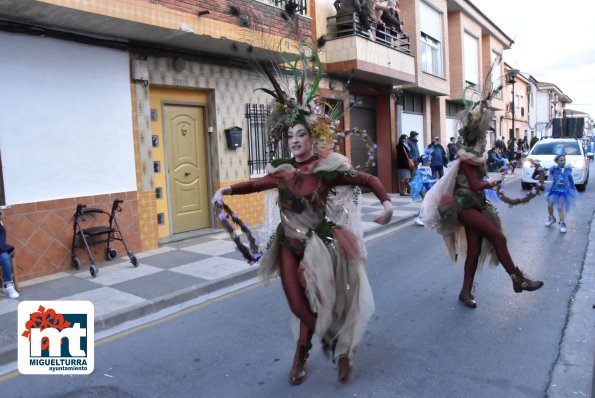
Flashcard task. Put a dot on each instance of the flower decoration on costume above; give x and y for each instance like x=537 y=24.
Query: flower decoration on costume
x=539 y=175
x=227 y=217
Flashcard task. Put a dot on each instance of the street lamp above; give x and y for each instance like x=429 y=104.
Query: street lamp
x=511 y=80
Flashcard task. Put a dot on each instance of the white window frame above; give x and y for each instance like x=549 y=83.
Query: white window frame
x=431 y=55
x=471 y=59
x=431 y=40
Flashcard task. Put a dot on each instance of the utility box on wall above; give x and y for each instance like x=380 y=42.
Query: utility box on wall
x=233 y=135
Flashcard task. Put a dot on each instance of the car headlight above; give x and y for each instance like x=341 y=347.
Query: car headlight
x=527 y=164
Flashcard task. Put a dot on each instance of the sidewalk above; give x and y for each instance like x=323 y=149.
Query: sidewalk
x=172 y=274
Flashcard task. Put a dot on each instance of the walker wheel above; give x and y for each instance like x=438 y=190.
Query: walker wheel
x=133 y=260
x=93 y=270
x=76 y=263
x=110 y=254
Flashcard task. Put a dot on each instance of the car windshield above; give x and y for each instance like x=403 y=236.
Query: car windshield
x=554 y=148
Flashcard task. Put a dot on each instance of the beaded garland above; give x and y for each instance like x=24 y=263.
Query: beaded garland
x=251 y=252
x=370 y=146
x=536 y=190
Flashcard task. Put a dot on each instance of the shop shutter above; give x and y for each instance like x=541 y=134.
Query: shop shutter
x=363 y=116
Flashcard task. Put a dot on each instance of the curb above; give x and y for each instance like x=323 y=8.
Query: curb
x=9 y=353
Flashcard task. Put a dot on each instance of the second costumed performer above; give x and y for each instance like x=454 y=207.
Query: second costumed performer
x=457 y=207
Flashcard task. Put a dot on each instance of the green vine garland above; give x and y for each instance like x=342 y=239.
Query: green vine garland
x=535 y=191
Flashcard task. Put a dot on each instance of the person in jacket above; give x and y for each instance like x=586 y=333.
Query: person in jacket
x=452 y=149
x=413 y=144
x=439 y=158
x=404 y=165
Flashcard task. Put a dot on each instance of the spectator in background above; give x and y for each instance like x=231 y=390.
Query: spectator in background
x=392 y=17
x=414 y=147
x=5 y=253
x=494 y=160
x=404 y=165
x=534 y=141
x=452 y=149
x=360 y=7
x=511 y=149
x=439 y=158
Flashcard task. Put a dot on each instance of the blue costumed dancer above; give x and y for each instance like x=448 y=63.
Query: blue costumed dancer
x=561 y=192
x=422 y=182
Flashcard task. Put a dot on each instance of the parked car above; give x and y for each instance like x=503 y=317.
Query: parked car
x=545 y=150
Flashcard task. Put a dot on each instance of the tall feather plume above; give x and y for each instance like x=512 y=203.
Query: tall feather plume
x=293 y=74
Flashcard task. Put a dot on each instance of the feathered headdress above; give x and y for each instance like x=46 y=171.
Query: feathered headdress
x=293 y=79
x=477 y=116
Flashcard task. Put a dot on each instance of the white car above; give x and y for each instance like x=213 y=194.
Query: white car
x=545 y=150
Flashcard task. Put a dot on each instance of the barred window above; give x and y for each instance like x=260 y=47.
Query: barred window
x=258 y=136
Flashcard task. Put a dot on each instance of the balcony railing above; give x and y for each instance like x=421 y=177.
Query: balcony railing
x=349 y=25
x=302 y=5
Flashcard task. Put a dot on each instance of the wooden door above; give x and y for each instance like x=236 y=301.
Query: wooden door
x=187 y=167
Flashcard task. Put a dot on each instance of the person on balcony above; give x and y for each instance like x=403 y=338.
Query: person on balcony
x=359 y=7
x=392 y=17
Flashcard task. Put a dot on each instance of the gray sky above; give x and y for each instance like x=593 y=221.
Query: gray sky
x=554 y=41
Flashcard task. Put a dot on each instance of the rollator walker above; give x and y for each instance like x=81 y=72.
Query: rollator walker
x=98 y=234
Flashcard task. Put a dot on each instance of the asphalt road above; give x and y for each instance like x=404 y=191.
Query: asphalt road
x=421 y=342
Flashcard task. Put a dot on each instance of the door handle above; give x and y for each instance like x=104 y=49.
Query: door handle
x=186 y=174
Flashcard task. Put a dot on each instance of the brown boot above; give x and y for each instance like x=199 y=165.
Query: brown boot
x=297 y=375
x=466 y=296
x=344 y=366
x=520 y=282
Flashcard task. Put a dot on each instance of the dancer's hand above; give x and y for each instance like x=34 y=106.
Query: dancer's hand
x=496 y=179
x=218 y=196
x=386 y=215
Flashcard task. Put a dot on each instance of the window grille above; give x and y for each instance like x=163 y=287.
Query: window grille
x=258 y=136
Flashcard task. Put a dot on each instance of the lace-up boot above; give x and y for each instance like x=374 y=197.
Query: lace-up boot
x=521 y=282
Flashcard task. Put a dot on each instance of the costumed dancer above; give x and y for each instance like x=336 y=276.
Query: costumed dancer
x=315 y=248
x=320 y=263
x=561 y=192
x=422 y=182
x=457 y=207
